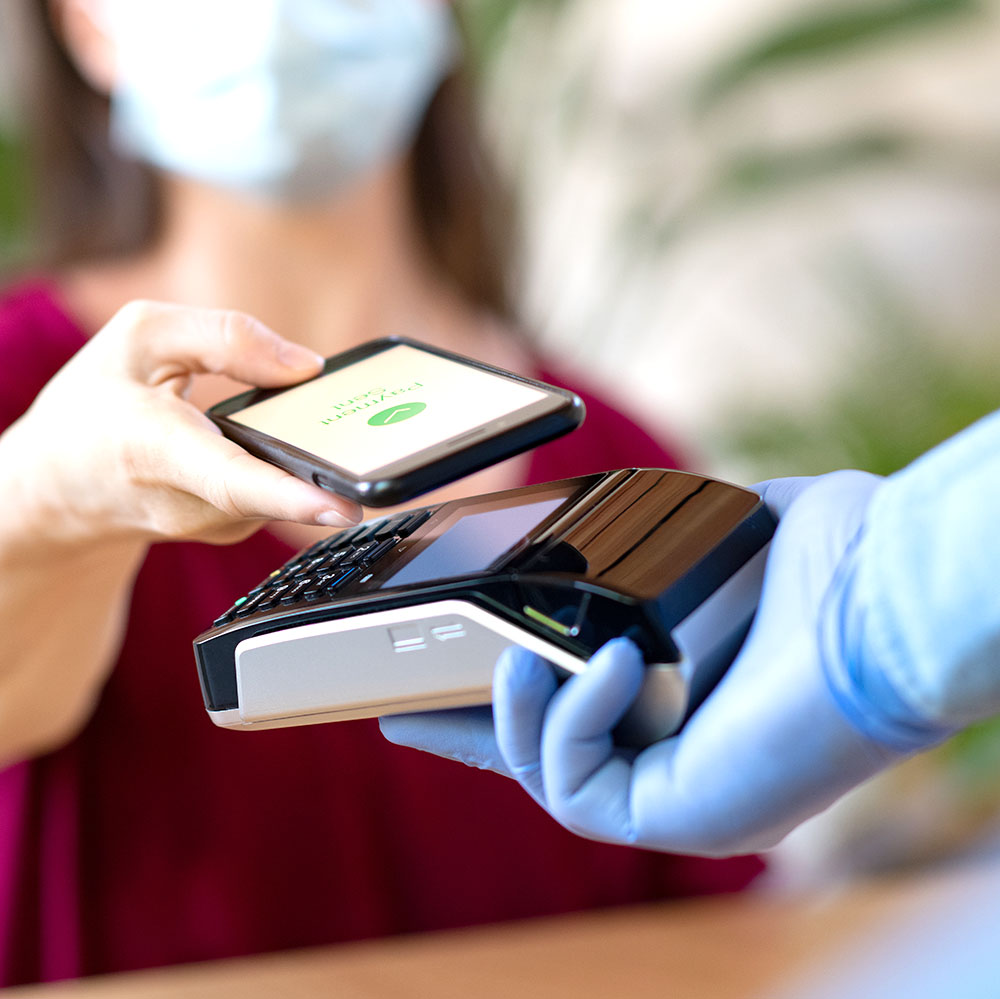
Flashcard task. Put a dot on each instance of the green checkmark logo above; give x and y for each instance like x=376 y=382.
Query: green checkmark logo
x=396 y=414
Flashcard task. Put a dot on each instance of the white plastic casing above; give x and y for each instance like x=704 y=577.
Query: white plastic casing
x=442 y=654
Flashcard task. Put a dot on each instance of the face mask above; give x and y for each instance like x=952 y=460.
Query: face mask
x=287 y=99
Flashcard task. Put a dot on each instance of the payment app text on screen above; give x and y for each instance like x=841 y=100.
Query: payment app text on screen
x=388 y=406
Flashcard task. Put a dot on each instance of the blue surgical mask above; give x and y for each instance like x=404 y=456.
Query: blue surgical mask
x=282 y=99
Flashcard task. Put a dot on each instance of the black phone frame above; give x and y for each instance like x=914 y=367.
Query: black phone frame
x=558 y=413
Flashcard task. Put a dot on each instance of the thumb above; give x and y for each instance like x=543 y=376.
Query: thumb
x=577 y=738
x=153 y=342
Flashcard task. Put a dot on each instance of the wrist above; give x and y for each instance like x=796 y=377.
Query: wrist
x=41 y=515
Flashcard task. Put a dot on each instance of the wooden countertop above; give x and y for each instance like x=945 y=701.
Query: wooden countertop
x=903 y=936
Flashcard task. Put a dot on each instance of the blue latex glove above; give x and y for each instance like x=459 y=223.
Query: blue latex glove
x=786 y=732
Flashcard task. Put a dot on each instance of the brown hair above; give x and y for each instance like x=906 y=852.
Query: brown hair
x=88 y=202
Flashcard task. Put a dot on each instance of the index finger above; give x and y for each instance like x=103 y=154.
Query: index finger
x=241 y=486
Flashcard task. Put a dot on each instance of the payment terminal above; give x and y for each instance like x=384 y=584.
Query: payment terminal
x=410 y=612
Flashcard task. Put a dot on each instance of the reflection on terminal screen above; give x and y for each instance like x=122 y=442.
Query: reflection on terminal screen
x=474 y=542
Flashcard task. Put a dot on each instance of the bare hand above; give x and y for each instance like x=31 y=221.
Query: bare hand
x=111 y=449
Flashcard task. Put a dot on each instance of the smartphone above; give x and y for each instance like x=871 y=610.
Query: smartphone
x=395 y=418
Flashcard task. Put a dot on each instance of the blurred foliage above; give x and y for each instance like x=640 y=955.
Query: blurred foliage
x=744 y=173
x=749 y=174
x=486 y=24
x=13 y=202
x=906 y=386
x=904 y=390
x=827 y=31
x=973 y=757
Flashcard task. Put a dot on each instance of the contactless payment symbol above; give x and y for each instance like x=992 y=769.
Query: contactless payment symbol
x=396 y=414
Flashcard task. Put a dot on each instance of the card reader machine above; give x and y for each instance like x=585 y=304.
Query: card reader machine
x=409 y=612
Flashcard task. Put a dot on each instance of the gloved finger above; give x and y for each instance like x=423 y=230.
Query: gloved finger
x=586 y=780
x=158 y=342
x=523 y=685
x=779 y=494
x=767 y=749
x=461 y=734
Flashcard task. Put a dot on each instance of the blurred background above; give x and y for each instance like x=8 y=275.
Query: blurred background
x=770 y=229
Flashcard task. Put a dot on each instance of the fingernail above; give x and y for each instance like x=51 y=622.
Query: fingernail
x=335 y=518
x=293 y=356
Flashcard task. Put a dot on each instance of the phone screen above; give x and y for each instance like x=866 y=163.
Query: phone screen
x=386 y=407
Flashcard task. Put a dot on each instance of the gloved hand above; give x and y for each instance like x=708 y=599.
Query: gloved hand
x=785 y=733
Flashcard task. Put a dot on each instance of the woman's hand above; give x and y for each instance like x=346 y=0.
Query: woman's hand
x=111 y=449
x=109 y=458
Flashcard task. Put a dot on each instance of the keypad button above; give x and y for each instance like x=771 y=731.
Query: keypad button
x=326 y=566
x=345 y=537
x=231 y=613
x=310 y=567
x=414 y=522
x=311 y=552
x=334 y=558
x=361 y=551
x=379 y=550
x=401 y=524
x=344 y=576
x=272 y=597
x=251 y=605
x=296 y=590
x=363 y=537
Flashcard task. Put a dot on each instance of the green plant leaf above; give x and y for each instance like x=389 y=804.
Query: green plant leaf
x=825 y=32
x=486 y=23
x=903 y=391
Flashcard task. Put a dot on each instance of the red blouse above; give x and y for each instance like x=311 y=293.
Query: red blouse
x=155 y=838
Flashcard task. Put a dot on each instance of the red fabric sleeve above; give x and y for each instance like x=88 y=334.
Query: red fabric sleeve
x=36 y=340
x=607 y=439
